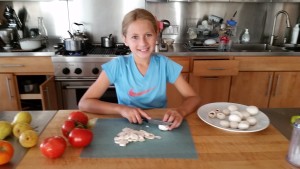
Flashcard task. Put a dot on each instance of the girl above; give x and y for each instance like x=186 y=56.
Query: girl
x=140 y=78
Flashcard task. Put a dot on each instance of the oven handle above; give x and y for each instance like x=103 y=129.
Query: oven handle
x=83 y=87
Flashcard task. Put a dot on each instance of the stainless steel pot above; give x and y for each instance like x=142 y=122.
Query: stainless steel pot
x=107 y=41
x=73 y=44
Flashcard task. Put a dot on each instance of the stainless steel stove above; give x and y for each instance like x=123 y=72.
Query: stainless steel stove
x=76 y=71
x=86 y=63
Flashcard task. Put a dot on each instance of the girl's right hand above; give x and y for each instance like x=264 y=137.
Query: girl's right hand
x=134 y=115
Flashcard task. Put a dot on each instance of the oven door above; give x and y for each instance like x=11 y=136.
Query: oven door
x=71 y=91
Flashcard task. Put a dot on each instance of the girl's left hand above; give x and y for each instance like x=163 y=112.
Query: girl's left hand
x=173 y=116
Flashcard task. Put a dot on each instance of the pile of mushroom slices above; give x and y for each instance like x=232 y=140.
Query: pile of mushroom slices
x=237 y=119
x=128 y=135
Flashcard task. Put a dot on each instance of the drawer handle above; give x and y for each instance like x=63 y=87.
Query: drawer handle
x=46 y=90
x=8 y=82
x=11 y=65
x=269 y=85
x=216 y=68
x=276 y=85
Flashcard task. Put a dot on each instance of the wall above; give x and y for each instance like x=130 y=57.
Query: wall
x=257 y=17
x=102 y=17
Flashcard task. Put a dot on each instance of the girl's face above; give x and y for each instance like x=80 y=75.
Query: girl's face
x=141 y=38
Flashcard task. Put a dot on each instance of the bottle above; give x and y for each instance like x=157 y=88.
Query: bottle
x=293 y=155
x=42 y=30
x=246 y=36
x=295 y=34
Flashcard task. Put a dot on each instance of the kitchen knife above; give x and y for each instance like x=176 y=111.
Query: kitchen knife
x=158 y=122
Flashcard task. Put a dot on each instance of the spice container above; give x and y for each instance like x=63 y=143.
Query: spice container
x=293 y=155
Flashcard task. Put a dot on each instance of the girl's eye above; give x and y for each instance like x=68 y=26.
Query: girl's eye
x=148 y=35
x=134 y=37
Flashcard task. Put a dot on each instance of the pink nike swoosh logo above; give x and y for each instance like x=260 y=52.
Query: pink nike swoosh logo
x=135 y=94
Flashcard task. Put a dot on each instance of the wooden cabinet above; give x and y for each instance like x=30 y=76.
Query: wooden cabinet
x=14 y=71
x=8 y=93
x=211 y=78
x=267 y=82
x=173 y=96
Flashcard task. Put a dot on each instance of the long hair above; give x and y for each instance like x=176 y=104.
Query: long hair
x=137 y=14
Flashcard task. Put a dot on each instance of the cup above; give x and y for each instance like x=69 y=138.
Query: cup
x=293 y=155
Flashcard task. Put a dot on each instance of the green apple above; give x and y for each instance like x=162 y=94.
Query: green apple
x=28 y=138
x=5 y=128
x=20 y=127
x=22 y=116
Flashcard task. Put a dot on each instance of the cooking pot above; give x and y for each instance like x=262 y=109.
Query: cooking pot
x=74 y=43
x=107 y=41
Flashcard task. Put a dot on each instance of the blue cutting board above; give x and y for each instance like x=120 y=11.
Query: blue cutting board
x=177 y=143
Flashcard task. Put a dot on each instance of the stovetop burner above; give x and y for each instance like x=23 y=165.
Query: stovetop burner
x=95 y=49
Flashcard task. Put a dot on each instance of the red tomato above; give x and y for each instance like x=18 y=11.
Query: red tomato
x=79 y=117
x=79 y=137
x=6 y=151
x=67 y=127
x=53 y=147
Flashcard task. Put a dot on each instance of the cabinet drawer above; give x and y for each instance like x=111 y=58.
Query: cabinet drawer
x=34 y=64
x=215 y=67
x=184 y=62
x=261 y=63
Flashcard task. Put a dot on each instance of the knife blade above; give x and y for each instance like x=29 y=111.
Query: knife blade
x=158 y=122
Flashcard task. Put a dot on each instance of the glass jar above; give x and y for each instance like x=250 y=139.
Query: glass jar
x=42 y=30
x=293 y=155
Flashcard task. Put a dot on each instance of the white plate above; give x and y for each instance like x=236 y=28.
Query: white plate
x=262 y=120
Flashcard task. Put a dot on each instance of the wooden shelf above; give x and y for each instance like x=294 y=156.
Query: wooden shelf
x=31 y=96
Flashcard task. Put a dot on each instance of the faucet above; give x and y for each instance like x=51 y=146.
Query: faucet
x=288 y=25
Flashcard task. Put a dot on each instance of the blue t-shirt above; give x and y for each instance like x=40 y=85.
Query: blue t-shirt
x=135 y=90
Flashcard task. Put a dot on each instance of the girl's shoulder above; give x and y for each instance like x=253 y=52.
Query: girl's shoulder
x=160 y=57
x=121 y=59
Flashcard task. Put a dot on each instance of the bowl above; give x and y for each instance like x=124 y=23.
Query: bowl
x=30 y=43
x=168 y=41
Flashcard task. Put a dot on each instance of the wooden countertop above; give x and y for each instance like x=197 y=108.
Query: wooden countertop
x=216 y=149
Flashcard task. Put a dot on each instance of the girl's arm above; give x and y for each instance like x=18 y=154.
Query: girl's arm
x=90 y=102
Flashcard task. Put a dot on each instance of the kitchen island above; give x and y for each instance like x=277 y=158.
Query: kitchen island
x=215 y=149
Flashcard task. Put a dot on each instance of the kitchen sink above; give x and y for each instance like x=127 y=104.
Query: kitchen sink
x=256 y=48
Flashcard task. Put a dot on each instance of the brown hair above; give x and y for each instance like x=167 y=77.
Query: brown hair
x=137 y=14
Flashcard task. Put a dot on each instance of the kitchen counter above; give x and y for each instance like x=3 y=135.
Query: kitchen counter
x=215 y=148
x=280 y=118
x=177 y=49
x=39 y=121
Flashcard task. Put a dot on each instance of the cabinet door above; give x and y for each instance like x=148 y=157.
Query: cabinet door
x=173 y=96
x=251 y=88
x=8 y=93
x=286 y=90
x=48 y=91
x=211 y=88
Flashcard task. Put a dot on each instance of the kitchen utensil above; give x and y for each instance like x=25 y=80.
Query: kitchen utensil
x=293 y=155
x=166 y=23
x=79 y=30
x=30 y=43
x=73 y=43
x=262 y=120
x=168 y=41
x=157 y=122
x=233 y=15
x=107 y=41
x=210 y=42
x=12 y=18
